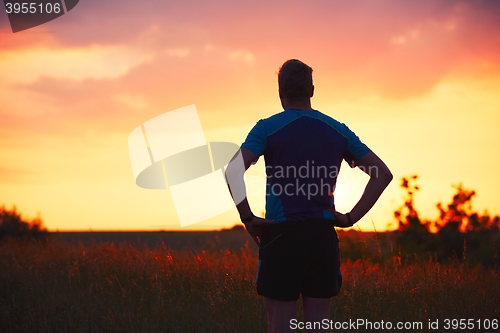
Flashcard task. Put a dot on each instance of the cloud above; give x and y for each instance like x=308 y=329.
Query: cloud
x=243 y=56
x=137 y=102
x=97 y=62
x=181 y=53
x=393 y=48
x=170 y=54
x=17 y=175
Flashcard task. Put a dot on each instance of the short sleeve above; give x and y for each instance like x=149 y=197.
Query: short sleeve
x=256 y=139
x=355 y=148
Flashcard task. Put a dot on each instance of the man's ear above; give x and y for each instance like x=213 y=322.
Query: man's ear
x=312 y=91
x=280 y=93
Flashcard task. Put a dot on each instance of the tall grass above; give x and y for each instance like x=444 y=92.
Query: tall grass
x=85 y=287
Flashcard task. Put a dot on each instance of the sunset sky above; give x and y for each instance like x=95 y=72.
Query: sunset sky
x=417 y=81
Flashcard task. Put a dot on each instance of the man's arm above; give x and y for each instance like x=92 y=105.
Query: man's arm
x=234 y=176
x=380 y=177
x=235 y=170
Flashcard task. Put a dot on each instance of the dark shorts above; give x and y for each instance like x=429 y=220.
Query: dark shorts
x=299 y=258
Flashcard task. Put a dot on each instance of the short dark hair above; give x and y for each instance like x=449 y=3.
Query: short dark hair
x=295 y=80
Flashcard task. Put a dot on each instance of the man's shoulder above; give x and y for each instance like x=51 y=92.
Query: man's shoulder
x=276 y=116
x=281 y=119
x=276 y=121
x=330 y=121
x=326 y=118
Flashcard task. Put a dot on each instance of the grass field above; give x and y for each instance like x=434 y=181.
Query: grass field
x=124 y=287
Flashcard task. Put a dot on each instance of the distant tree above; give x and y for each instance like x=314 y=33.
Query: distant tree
x=407 y=215
x=412 y=233
x=12 y=224
x=459 y=215
x=458 y=233
x=455 y=217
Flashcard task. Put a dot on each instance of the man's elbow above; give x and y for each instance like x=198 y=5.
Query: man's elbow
x=381 y=174
x=386 y=176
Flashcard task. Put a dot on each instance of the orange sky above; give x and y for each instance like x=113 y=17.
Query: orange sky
x=418 y=81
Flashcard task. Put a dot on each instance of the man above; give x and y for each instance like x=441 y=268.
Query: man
x=298 y=246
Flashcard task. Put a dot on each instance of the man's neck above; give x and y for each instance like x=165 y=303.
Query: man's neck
x=298 y=105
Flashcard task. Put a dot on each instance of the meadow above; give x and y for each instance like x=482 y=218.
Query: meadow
x=102 y=286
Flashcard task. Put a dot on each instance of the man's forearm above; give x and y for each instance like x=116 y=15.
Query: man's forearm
x=373 y=190
x=244 y=209
x=236 y=183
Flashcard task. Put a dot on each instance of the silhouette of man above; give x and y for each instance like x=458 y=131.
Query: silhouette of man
x=298 y=245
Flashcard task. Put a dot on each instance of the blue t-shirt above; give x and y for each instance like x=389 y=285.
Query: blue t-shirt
x=303 y=151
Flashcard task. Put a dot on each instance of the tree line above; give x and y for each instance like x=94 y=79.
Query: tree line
x=459 y=232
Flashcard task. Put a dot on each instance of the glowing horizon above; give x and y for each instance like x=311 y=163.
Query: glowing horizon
x=419 y=83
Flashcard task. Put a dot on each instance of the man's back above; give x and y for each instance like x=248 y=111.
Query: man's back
x=303 y=151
